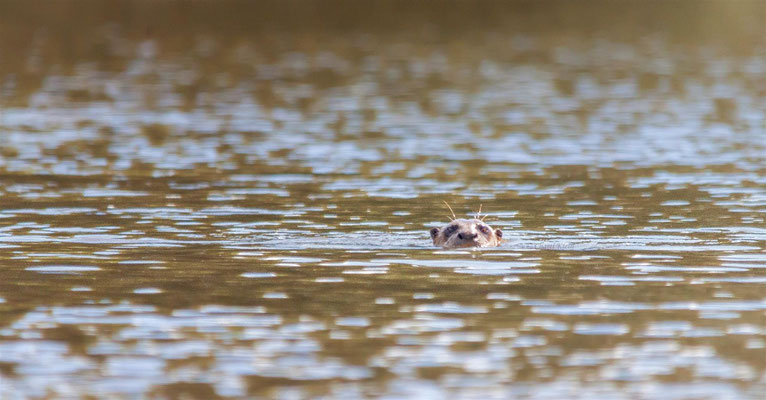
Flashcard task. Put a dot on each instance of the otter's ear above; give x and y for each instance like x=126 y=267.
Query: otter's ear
x=434 y=232
x=499 y=233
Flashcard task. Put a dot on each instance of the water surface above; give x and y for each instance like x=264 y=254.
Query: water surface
x=244 y=211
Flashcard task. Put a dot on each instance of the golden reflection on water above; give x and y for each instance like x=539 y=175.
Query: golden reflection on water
x=232 y=199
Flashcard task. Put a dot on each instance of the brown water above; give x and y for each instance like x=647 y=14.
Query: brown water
x=207 y=202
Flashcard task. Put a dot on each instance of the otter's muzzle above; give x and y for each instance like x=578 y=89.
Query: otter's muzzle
x=467 y=236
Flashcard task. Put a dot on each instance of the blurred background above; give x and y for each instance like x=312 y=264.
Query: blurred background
x=231 y=199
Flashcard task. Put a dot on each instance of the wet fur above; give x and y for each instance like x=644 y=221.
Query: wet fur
x=460 y=233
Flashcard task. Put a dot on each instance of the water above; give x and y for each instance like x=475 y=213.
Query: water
x=244 y=211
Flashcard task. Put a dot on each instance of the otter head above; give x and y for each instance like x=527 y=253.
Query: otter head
x=466 y=233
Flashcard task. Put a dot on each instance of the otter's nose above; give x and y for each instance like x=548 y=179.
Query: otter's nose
x=467 y=236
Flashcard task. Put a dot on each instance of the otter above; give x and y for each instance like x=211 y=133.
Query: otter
x=466 y=233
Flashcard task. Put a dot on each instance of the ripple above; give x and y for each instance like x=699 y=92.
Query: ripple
x=329 y=280
x=63 y=269
x=628 y=280
x=741 y=279
x=601 y=329
x=449 y=308
x=147 y=290
x=591 y=308
x=258 y=275
x=353 y=321
x=469 y=265
x=275 y=295
x=674 y=203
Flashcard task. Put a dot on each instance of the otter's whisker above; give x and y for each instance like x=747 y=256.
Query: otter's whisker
x=478 y=214
x=450 y=210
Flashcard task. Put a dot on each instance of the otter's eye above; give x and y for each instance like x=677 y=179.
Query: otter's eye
x=484 y=229
x=450 y=230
